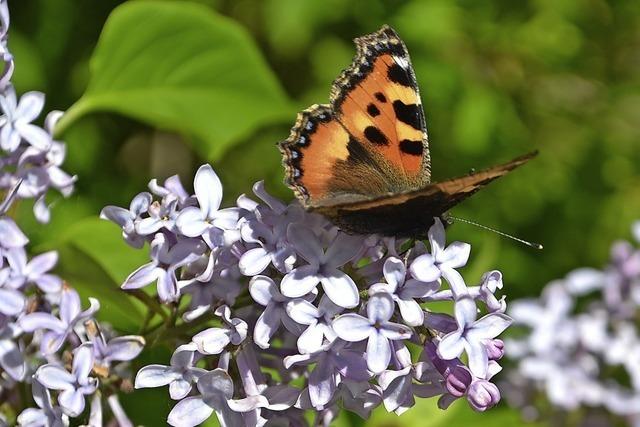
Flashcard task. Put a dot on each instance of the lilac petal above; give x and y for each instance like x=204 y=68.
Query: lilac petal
x=191 y=222
x=49 y=283
x=189 y=412
x=380 y=307
x=167 y=286
x=394 y=272
x=490 y=326
x=70 y=305
x=32 y=417
x=266 y=325
x=465 y=311
x=39 y=320
x=179 y=389
x=72 y=402
x=310 y=340
x=303 y=312
x=208 y=189
x=351 y=365
x=343 y=249
x=116 y=214
x=140 y=203
x=456 y=255
x=55 y=378
x=411 y=312
x=41 y=210
x=42 y=263
x=217 y=381
x=275 y=204
x=281 y=397
x=36 y=136
x=378 y=353
x=299 y=359
x=254 y=261
x=12 y=360
x=184 y=356
x=340 y=288
x=395 y=331
x=30 y=106
x=143 y=276
x=306 y=243
x=124 y=348
x=149 y=225
x=322 y=384
x=10 y=235
x=299 y=281
x=212 y=340
x=478 y=358
x=436 y=237
x=424 y=269
x=352 y=327
x=95 y=414
x=416 y=289
x=262 y=289
x=455 y=280
x=83 y=362
x=12 y=302
x=451 y=345
x=249 y=403
x=154 y=376
x=52 y=341
x=227 y=219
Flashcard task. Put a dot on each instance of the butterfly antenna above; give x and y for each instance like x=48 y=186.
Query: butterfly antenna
x=524 y=242
x=9 y=198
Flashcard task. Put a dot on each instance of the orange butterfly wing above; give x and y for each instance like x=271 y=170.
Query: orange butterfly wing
x=378 y=102
x=371 y=140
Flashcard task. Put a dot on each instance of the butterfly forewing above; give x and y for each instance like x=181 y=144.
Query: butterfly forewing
x=378 y=102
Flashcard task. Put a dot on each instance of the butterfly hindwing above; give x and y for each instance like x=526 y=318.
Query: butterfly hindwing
x=410 y=214
x=378 y=102
x=325 y=164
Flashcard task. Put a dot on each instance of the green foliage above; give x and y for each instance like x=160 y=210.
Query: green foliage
x=498 y=78
x=185 y=69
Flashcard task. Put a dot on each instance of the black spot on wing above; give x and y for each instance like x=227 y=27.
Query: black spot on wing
x=373 y=110
x=380 y=97
x=413 y=148
x=399 y=75
x=408 y=113
x=374 y=136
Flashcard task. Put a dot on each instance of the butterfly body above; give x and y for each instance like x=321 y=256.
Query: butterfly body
x=363 y=160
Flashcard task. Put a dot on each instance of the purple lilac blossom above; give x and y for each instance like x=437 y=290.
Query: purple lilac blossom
x=49 y=346
x=249 y=277
x=581 y=348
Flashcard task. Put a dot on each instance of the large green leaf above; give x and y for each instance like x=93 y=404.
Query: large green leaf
x=179 y=66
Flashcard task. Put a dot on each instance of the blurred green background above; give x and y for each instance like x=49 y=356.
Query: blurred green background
x=154 y=88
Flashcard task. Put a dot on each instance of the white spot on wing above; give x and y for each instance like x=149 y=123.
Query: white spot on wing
x=401 y=61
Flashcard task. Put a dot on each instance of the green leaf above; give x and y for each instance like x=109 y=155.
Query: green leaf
x=95 y=261
x=179 y=66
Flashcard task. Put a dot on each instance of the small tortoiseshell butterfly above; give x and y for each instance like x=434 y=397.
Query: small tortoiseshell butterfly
x=363 y=160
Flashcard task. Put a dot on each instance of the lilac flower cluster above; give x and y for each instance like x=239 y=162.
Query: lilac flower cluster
x=582 y=346
x=285 y=313
x=49 y=346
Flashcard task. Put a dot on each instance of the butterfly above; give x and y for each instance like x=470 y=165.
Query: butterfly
x=363 y=160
